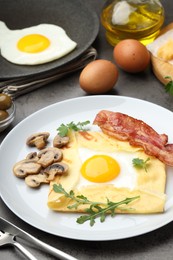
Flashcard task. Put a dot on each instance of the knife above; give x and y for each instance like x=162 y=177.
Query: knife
x=11 y=228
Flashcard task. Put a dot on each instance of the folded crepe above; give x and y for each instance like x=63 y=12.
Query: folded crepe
x=149 y=186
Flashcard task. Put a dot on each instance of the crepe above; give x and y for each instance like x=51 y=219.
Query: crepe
x=149 y=186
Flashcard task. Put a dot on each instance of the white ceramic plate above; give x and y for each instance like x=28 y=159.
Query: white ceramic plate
x=30 y=205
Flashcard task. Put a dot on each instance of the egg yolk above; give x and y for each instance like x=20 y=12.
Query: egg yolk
x=100 y=168
x=33 y=43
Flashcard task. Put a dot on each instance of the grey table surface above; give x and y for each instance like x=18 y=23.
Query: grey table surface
x=157 y=244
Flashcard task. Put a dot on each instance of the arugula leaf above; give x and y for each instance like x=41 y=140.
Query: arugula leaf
x=140 y=163
x=102 y=212
x=95 y=209
x=169 y=85
x=63 y=129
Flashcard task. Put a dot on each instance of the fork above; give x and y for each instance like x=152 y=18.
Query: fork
x=9 y=239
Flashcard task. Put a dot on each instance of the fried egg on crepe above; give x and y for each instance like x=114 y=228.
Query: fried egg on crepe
x=128 y=182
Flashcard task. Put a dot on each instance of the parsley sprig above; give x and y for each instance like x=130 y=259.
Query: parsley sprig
x=95 y=209
x=63 y=129
x=169 y=85
x=140 y=163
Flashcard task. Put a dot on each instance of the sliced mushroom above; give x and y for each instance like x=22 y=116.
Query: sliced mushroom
x=39 y=140
x=49 y=155
x=59 y=141
x=26 y=167
x=35 y=181
x=54 y=169
x=32 y=156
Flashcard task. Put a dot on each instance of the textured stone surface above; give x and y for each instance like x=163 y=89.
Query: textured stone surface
x=156 y=245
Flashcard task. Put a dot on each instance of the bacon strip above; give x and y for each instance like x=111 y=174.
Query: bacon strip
x=138 y=133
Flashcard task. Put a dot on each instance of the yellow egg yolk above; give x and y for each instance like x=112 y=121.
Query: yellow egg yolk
x=100 y=168
x=33 y=43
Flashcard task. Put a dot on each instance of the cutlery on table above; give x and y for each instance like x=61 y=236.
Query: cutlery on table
x=9 y=239
x=11 y=228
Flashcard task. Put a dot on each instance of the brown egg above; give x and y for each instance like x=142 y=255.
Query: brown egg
x=98 y=77
x=131 y=56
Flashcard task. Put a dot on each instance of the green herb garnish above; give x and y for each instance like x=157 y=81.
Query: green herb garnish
x=140 y=163
x=63 y=130
x=169 y=85
x=95 y=209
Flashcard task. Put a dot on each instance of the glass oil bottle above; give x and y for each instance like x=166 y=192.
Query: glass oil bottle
x=132 y=19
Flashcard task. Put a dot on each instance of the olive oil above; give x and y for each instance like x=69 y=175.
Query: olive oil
x=132 y=19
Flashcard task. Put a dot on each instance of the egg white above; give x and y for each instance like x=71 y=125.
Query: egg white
x=60 y=44
x=127 y=177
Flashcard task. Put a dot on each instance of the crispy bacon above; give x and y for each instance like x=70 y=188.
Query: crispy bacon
x=138 y=133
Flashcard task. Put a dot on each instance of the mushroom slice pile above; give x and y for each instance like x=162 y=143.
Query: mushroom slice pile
x=49 y=155
x=41 y=167
x=46 y=175
x=39 y=140
x=26 y=167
